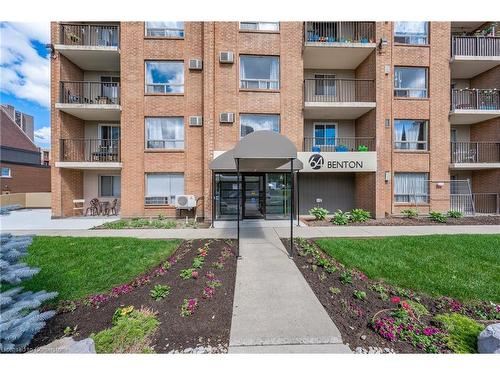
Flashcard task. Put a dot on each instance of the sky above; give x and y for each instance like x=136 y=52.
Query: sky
x=25 y=72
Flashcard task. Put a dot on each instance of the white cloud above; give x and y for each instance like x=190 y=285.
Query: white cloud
x=42 y=135
x=25 y=74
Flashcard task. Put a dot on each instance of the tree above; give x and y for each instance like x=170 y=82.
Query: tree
x=20 y=319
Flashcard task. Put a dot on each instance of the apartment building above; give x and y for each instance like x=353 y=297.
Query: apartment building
x=383 y=115
x=23 y=120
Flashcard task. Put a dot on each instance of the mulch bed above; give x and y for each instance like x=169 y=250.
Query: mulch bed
x=402 y=221
x=353 y=316
x=209 y=325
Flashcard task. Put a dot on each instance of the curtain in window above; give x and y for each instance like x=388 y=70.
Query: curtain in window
x=164 y=185
x=274 y=74
x=411 y=187
x=412 y=132
x=165 y=132
x=399 y=127
x=165 y=29
x=410 y=32
x=408 y=134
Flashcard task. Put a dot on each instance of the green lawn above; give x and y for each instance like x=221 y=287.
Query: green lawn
x=466 y=267
x=78 y=266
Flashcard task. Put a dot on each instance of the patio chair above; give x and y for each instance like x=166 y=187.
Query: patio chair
x=112 y=208
x=78 y=206
x=93 y=208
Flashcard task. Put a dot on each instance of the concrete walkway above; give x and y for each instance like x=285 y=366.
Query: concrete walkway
x=275 y=310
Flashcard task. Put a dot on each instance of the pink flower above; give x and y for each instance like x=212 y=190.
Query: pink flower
x=395 y=299
x=194 y=274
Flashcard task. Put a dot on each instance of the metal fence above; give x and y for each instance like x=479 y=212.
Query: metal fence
x=484 y=99
x=90 y=150
x=89 y=35
x=86 y=92
x=475 y=46
x=340 y=32
x=339 y=90
x=475 y=152
x=339 y=144
x=487 y=203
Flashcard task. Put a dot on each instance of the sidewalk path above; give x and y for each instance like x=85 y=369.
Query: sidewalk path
x=275 y=310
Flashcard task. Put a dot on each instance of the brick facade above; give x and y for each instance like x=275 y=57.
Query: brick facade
x=215 y=89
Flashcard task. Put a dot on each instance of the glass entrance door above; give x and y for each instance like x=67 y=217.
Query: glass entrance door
x=253 y=197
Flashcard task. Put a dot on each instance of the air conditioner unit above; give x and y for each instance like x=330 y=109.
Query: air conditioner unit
x=185 y=202
x=195 y=121
x=195 y=64
x=226 y=117
x=226 y=57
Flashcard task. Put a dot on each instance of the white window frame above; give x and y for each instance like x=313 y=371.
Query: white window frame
x=175 y=141
x=258 y=26
x=99 y=182
x=327 y=90
x=260 y=114
x=408 y=36
x=320 y=123
x=164 y=85
x=425 y=142
x=165 y=31
x=9 y=174
x=412 y=199
x=168 y=199
x=409 y=90
x=266 y=83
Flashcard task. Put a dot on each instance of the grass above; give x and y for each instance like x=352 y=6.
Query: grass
x=466 y=267
x=79 y=266
x=462 y=332
x=129 y=334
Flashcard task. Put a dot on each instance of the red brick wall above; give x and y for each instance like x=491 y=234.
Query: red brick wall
x=25 y=179
x=13 y=136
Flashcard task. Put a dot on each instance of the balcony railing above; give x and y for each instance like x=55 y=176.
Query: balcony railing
x=339 y=90
x=475 y=46
x=475 y=152
x=90 y=150
x=486 y=203
x=340 y=32
x=339 y=144
x=484 y=99
x=78 y=92
x=90 y=35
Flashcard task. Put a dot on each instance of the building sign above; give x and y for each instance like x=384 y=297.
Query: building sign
x=338 y=161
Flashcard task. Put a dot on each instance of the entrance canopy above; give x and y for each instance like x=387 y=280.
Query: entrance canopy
x=260 y=151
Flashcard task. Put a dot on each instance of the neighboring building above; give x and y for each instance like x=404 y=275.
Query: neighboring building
x=45 y=156
x=385 y=115
x=24 y=121
x=22 y=171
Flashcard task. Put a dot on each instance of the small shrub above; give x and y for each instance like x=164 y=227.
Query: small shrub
x=70 y=331
x=346 y=277
x=358 y=215
x=454 y=214
x=319 y=213
x=417 y=308
x=118 y=224
x=159 y=292
x=330 y=268
x=198 y=261
x=129 y=334
x=121 y=312
x=382 y=291
x=186 y=273
x=341 y=218
x=359 y=294
x=410 y=213
x=334 y=290
x=314 y=267
x=188 y=306
x=218 y=265
x=462 y=332
x=322 y=276
x=214 y=283
x=438 y=217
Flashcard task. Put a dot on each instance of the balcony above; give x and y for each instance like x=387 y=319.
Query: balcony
x=470 y=106
x=473 y=55
x=339 y=144
x=90 y=46
x=475 y=155
x=342 y=99
x=89 y=154
x=90 y=101
x=337 y=45
x=486 y=203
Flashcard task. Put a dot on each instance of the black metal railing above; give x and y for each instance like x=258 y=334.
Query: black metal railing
x=339 y=32
x=90 y=150
x=86 y=92
x=89 y=35
x=339 y=90
x=339 y=144
x=475 y=46
x=487 y=203
x=475 y=152
x=485 y=99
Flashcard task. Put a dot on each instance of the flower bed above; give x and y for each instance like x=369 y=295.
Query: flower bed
x=193 y=311
x=374 y=314
x=159 y=222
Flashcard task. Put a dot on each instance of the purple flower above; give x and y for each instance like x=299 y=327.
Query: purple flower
x=122 y=289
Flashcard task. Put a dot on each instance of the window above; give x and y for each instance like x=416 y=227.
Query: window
x=6 y=173
x=165 y=132
x=109 y=186
x=252 y=123
x=324 y=84
x=411 y=187
x=164 y=77
x=410 y=82
x=161 y=188
x=324 y=134
x=411 y=32
x=259 y=72
x=410 y=134
x=260 y=26
x=109 y=88
x=165 y=29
